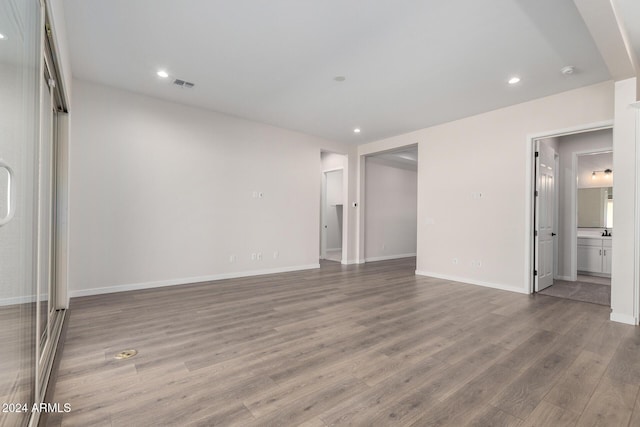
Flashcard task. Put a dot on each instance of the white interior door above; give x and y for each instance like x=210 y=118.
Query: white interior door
x=545 y=216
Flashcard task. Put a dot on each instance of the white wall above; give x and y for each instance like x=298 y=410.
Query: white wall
x=488 y=154
x=624 y=275
x=568 y=146
x=61 y=48
x=596 y=162
x=163 y=193
x=332 y=161
x=391 y=198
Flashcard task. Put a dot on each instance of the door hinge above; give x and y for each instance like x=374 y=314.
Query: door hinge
x=537 y=154
x=535 y=233
x=535 y=272
x=536 y=193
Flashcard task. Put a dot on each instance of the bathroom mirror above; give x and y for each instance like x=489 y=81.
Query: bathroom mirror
x=595 y=207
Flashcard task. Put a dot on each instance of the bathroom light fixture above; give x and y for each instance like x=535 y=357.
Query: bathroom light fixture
x=162 y=74
x=607 y=173
x=513 y=80
x=356 y=130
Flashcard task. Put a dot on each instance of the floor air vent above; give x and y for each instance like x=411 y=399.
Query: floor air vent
x=126 y=354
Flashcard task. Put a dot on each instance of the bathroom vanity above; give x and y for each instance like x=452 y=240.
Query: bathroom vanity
x=594 y=254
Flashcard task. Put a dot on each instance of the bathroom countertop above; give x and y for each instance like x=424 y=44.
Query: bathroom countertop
x=592 y=234
x=594 y=237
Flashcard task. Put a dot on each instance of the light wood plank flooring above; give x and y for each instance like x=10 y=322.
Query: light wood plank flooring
x=369 y=345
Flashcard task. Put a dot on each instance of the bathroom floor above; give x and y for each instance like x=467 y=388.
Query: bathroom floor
x=596 y=290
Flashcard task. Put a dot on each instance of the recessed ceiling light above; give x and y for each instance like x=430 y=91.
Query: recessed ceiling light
x=339 y=78
x=162 y=74
x=513 y=80
x=2 y=36
x=568 y=70
x=356 y=130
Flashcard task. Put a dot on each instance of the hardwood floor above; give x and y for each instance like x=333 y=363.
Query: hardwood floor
x=369 y=345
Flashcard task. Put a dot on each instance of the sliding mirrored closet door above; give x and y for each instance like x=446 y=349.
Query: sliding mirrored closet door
x=20 y=77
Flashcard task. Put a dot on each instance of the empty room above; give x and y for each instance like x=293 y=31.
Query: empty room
x=319 y=213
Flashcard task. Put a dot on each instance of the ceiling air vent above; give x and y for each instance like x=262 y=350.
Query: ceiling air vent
x=183 y=84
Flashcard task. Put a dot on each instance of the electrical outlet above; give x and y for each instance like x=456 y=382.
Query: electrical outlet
x=260 y=195
x=254 y=195
x=253 y=256
x=454 y=261
x=478 y=263
x=232 y=258
x=259 y=256
x=384 y=246
x=275 y=255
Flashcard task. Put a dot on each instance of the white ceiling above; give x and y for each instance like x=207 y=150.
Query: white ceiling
x=408 y=64
x=629 y=11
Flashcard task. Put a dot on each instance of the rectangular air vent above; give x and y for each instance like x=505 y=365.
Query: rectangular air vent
x=184 y=84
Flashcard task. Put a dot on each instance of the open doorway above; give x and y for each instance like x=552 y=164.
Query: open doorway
x=332 y=201
x=573 y=202
x=390 y=204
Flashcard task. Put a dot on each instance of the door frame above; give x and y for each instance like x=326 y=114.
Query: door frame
x=530 y=186
x=362 y=202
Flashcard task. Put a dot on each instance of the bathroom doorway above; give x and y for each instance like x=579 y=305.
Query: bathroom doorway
x=582 y=229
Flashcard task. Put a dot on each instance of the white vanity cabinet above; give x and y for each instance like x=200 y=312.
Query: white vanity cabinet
x=606 y=256
x=594 y=255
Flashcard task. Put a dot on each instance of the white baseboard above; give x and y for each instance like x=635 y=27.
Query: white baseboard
x=590 y=273
x=623 y=318
x=387 y=257
x=565 y=278
x=471 y=281
x=186 y=281
x=334 y=249
x=17 y=300
x=352 y=261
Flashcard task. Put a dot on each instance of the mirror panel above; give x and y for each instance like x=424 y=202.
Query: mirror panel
x=595 y=207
